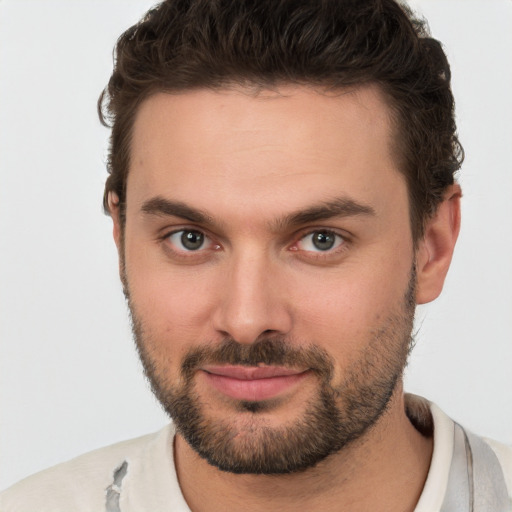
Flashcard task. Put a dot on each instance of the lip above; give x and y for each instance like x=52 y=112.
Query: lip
x=252 y=383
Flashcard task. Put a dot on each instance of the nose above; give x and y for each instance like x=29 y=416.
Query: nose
x=252 y=301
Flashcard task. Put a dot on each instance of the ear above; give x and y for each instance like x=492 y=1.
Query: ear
x=435 y=250
x=113 y=208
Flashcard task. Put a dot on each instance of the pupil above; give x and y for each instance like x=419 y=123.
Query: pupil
x=323 y=240
x=192 y=240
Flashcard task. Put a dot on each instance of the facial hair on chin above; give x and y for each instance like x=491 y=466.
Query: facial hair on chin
x=332 y=418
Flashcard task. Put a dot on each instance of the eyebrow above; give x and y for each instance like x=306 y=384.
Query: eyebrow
x=165 y=207
x=338 y=207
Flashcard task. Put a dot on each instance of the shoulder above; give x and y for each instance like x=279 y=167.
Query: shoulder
x=504 y=454
x=461 y=463
x=79 y=484
x=499 y=452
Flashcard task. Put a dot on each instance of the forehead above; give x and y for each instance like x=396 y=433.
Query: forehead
x=296 y=144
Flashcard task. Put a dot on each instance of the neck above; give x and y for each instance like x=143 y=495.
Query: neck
x=392 y=460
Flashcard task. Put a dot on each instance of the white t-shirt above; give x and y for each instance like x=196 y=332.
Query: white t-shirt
x=139 y=475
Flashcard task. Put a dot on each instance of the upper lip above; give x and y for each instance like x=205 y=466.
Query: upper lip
x=251 y=372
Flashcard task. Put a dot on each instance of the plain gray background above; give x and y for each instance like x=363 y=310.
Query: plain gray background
x=70 y=380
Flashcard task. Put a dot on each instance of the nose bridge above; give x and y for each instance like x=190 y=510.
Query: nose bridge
x=251 y=303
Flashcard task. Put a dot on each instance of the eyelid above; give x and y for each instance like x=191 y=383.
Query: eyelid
x=208 y=244
x=319 y=254
x=176 y=239
x=302 y=233
x=211 y=243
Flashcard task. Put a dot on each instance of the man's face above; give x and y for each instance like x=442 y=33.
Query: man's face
x=268 y=262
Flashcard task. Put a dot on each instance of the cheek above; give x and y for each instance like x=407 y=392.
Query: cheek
x=174 y=316
x=172 y=303
x=342 y=311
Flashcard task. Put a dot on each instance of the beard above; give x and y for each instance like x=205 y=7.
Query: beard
x=335 y=415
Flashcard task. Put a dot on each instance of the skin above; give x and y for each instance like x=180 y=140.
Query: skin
x=250 y=161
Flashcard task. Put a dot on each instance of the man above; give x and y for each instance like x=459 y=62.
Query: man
x=282 y=194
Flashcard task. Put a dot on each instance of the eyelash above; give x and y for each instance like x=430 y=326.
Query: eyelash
x=342 y=242
x=185 y=254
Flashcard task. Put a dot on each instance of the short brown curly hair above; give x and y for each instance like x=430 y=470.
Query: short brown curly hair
x=187 y=44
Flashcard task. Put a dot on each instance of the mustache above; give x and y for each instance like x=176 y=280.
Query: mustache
x=270 y=351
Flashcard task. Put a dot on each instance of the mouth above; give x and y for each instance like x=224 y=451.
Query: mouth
x=254 y=383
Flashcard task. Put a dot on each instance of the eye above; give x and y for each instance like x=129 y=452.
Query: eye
x=188 y=239
x=320 y=241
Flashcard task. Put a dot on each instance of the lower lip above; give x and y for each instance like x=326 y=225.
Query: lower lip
x=253 y=390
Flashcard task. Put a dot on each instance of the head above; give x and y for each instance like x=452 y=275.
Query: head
x=281 y=184
x=331 y=44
